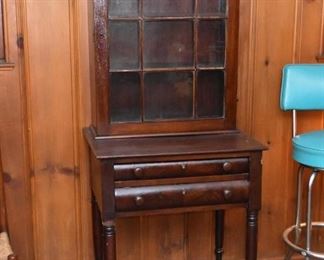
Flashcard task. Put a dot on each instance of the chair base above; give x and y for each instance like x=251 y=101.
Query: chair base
x=298 y=249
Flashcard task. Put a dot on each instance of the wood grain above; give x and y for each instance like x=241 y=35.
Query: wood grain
x=168 y=234
x=202 y=245
x=83 y=118
x=270 y=125
x=129 y=239
x=2 y=49
x=52 y=129
x=272 y=33
x=13 y=139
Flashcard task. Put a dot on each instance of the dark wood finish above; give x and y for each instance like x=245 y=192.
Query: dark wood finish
x=173 y=174
x=143 y=171
x=110 y=241
x=166 y=41
x=97 y=229
x=100 y=38
x=219 y=233
x=164 y=136
x=251 y=234
x=181 y=195
x=172 y=146
x=2 y=48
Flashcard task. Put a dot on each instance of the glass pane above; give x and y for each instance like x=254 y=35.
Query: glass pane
x=212 y=8
x=210 y=94
x=123 y=45
x=123 y=8
x=125 y=97
x=168 y=44
x=211 y=43
x=168 y=95
x=173 y=8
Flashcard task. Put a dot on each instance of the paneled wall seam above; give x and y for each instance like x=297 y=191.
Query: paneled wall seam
x=244 y=88
x=5 y=30
x=74 y=40
x=321 y=50
x=25 y=112
x=84 y=117
x=252 y=60
x=299 y=31
x=253 y=31
x=289 y=166
x=52 y=129
x=29 y=119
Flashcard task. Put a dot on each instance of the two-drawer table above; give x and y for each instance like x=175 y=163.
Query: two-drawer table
x=174 y=174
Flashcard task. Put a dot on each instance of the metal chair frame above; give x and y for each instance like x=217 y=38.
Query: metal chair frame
x=309 y=224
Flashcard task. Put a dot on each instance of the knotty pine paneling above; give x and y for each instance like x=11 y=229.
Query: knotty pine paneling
x=13 y=137
x=168 y=234
x=200 y=238
x=54 y=219
x=53 y=133
x=274 y=46
x=81 y=94
x=133 y=248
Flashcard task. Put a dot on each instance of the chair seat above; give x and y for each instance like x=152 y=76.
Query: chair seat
x=308 y=149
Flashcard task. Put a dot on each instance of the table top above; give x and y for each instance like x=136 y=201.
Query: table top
x=117 y=148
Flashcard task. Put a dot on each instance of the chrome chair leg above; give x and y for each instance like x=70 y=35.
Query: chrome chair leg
x=290 y=251
x=299 y=202
x=309 y=212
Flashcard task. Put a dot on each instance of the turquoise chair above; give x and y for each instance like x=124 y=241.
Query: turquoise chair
x=303 y=89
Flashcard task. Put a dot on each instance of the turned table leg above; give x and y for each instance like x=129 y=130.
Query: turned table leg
x=219 y=233
x=97 y=230
x=109 y=233
x=104 y=236
x=251 y=234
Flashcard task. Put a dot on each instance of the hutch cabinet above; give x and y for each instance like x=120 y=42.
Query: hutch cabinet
x=163 y=138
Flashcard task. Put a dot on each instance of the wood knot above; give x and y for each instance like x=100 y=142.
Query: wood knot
x=267 y=62
x=7 y=177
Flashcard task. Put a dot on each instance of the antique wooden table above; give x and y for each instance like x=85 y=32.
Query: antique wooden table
x=174 y=174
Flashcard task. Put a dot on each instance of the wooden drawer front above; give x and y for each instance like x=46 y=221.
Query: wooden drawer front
x=183 y=195
x=180 y=169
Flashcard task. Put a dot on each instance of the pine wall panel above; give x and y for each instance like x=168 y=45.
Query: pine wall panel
x=45 y=102
x=13 y=135
x=51 y=129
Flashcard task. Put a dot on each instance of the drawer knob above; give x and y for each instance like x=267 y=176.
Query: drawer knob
x=183 y=167
x=227 y=166
x=138 y=172
x=227 y=194
x=139 y=200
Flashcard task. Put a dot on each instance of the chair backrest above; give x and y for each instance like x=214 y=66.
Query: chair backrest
x=302 y=87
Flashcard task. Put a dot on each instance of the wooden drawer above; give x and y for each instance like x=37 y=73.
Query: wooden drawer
x=182 y=195
x=180 y=169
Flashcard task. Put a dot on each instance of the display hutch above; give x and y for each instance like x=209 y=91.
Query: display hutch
x=163 y=138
